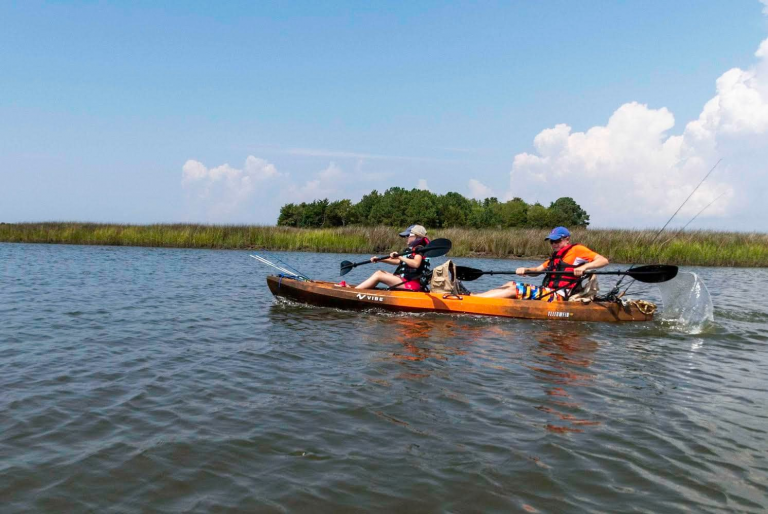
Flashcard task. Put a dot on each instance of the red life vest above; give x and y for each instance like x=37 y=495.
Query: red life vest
x=556 y=263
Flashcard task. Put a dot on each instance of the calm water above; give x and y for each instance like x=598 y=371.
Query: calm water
x=170 y=380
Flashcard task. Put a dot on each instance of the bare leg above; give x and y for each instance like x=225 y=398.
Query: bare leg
x=508 y=290
x=380 y=276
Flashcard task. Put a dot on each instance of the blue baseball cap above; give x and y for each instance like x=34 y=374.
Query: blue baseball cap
x=557 y=234
x=406 y=232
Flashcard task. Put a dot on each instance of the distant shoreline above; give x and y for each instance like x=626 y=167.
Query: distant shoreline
x=690 y=248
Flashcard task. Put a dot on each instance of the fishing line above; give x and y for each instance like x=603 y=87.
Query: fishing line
x=697 y=215
x=681 y=231
x=615 y=290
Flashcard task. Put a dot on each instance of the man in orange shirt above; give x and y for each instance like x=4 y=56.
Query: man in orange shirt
x=573 y=259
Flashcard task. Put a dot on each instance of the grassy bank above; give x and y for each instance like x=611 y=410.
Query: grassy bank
x=696 y=248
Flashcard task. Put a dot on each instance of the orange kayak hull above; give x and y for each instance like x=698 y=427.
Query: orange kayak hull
x=326 y=294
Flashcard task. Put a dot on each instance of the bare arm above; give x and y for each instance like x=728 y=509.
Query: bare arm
x=389 y=260
x=415 y=262
x=530 y=271
x=598 y=262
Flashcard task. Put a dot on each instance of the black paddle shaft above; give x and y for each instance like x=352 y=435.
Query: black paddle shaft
x=435 y=248
x=651 y=274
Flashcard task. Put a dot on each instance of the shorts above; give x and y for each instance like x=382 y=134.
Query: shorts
x=531 y=292
x=411 y=285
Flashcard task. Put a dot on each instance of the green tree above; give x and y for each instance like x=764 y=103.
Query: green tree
x=514 y=213
x=290 y=215
x=340 y=213
x=313 y=215
x=492 y=216
x=422 y=208
x=399 y=207
x=538 y=216
x=390 y=210
x=453 y=210
x=453 y=216
x=565 y=211
x=476 y=214
x=364 y=207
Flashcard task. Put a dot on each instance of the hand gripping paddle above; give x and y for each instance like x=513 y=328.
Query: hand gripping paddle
x=436 y=248
x=651 y=274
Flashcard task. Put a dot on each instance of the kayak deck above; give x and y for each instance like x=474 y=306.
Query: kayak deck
x=326 y=294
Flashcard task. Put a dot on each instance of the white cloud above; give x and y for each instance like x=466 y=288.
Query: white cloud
x=328 y=183
x=631 y=172
x=765 y=6
x=221 y=191
x=259 y=169
x=193 y=171
x=478 y=190
x=331 y=173
x=422 y=185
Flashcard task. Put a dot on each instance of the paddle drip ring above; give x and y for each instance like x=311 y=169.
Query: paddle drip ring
x=644 y=306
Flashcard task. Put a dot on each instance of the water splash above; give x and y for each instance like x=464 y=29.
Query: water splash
x=687 y=304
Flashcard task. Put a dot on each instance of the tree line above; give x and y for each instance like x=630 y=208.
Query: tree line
x=401 y=207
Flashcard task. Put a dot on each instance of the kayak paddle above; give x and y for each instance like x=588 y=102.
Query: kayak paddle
x=651 y=274
x=436 y=248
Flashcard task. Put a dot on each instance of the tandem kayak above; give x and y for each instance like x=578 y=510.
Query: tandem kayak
x=327 y=294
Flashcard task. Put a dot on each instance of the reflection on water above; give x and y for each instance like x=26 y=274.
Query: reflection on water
x=561 y=362
x=426 y=337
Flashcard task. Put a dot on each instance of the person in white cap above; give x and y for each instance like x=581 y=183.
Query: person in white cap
x=411 y=266
x=573 y=259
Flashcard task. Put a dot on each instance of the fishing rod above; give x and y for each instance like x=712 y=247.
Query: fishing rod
x=272 y=264
x=677 y=234
x=285 y=264
x=268 y=263
x=614 y=293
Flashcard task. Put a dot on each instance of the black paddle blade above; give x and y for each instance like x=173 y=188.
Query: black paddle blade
x=346 y=267
x=436 y=248
x=467 y=274
x=653 y=273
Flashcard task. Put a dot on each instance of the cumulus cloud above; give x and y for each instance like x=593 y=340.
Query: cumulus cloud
x=478 y=190
x=223 y=189
x=631 y=171
x=422 y=185
x=327 y=183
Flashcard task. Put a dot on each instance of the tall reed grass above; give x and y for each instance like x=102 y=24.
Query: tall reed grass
x=695 y=248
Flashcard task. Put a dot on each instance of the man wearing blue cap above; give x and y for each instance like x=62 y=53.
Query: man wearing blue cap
x=571 y=259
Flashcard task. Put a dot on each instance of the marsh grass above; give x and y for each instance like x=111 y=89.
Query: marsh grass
x=695 y=248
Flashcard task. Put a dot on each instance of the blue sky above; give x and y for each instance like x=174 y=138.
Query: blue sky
x=220 y=112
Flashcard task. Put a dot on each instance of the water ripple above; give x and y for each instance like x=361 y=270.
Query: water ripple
x=170 y=380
